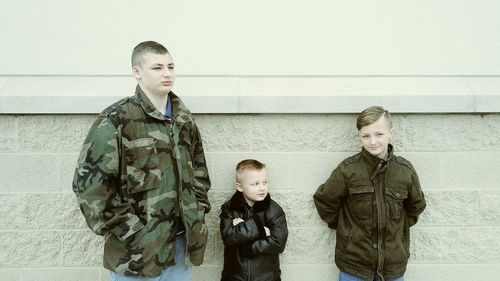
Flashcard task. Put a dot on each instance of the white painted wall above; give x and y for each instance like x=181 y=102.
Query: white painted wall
x=258 y=37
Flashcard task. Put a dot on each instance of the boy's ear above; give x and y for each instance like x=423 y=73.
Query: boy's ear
x=238 y=187
x=136 y=71
x=392 y=132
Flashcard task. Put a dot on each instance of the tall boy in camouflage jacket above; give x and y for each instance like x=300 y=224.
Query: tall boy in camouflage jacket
x=142 y=180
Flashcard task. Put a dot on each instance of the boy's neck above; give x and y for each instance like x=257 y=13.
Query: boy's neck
x=158 y=101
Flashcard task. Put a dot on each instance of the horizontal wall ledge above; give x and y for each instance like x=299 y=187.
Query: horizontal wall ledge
x=259 y=94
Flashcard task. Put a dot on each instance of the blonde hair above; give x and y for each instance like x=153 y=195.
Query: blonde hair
x=248 y=164
x=371 y=115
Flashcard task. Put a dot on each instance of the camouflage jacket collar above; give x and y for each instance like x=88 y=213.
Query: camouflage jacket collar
x=180 y=112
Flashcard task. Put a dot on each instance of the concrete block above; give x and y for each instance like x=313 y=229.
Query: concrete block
x=455 y=245
x=470 y=170
x=450 y=208
x=428 y=167
x=489 y=213
x=217 y=198
x=10 y=274
x=309 y=245
x=308 y=170
x=278 y=133
x=207 y=273
x=8 y=139
x=225 y=132
x=296 y=272
x=104 y=274
x=487 y=271
x=218 y=249
x=441 y=272
x=439 y=132
x=28 y=172
x=211 y=244
x=20 y=248
x=82 y=248
x=491 y=125
x=67 y=165
x=53 y=133
x=40 y=211
x=342 y=134
x=61 y=274
x=299 y=208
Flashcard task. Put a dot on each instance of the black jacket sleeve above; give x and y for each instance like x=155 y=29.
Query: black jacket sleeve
x=235 y=235
x=275 y=243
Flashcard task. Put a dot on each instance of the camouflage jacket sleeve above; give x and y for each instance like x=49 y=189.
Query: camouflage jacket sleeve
x=96 y=183
x=200 y=171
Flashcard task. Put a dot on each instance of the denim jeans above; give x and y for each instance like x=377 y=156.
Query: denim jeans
x=177 y=272
x=348 y=277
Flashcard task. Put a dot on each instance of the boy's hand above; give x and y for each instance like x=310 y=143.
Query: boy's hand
x=236 y=221
x=268 y=232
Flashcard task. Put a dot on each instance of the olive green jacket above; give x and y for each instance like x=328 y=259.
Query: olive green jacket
x=136 y=173
x=371 y=203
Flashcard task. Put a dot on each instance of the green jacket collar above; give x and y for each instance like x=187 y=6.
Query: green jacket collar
x=374 y=160
x=180 y=112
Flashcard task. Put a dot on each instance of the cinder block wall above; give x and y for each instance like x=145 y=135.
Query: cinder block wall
x=43 y=235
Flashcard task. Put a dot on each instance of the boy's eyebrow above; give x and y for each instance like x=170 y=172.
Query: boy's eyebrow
x=161 y=64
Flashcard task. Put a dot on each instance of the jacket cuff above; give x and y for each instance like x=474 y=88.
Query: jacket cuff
x=259 y=222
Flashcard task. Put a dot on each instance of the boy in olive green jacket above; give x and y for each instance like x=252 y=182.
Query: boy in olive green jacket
x=372 y=199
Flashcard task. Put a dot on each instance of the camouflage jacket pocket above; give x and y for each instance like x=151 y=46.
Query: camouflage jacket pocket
x=143 y=165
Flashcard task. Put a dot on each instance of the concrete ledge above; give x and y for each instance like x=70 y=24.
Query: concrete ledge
x=259 y=94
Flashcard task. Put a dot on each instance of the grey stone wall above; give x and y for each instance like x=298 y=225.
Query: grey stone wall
x=43 y=235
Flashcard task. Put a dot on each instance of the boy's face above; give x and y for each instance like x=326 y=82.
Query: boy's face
x=253 y=184
x=156 y=75
x=376 y=136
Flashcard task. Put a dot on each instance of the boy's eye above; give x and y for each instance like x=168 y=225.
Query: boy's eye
x=157 y=68
x=171 y=67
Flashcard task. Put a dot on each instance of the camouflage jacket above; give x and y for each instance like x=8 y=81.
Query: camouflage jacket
x=136 y=172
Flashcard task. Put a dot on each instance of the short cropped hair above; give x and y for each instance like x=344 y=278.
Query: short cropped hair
x=248 y=164
x=146 y=47
x=371 y=115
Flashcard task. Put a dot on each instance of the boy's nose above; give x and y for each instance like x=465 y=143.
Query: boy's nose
x=167 y=72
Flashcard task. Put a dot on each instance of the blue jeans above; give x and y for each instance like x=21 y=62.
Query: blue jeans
x=177 y=272
x=348 y=277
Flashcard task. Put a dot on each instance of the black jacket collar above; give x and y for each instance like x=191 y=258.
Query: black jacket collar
x=238 y=203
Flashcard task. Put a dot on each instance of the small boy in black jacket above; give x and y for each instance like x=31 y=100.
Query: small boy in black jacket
x=253 y=227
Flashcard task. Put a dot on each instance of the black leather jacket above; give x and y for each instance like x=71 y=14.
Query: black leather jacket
x=248 y=253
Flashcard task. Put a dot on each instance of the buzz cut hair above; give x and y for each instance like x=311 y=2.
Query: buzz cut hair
x=144 y=48
x=248 y=164
x=371 y=115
